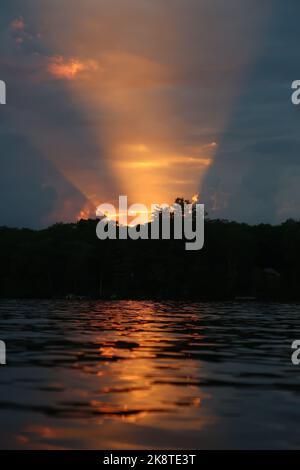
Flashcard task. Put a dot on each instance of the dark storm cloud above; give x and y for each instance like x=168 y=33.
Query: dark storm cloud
x=172 y=77
x=28 y=193
x=251 y=179
x=39 y=119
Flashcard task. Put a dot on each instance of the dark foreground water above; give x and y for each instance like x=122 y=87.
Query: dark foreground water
x=122 y=375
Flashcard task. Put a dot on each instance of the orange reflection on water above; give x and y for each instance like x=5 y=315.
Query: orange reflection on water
x=138 y=374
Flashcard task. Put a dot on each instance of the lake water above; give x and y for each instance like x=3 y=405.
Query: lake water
x=139 y=374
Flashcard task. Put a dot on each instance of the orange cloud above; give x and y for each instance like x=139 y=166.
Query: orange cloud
x=18 y=24
x=68 y=69
x=142 y=164
x=166 y=162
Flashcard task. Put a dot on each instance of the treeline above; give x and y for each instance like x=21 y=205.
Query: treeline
x=237 y=260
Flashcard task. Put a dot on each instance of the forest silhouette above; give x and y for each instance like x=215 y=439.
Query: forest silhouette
x=67 y=260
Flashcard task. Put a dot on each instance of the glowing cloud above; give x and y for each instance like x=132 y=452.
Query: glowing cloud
x=17 y=25
x=68 y=69
x=166 y=162
x=153 y=88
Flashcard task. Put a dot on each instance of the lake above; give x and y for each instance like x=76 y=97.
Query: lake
x=149 y=375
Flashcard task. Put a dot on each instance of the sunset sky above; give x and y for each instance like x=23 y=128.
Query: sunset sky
x=150 y=98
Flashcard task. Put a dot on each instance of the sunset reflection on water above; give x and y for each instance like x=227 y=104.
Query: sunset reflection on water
x=137 y=374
